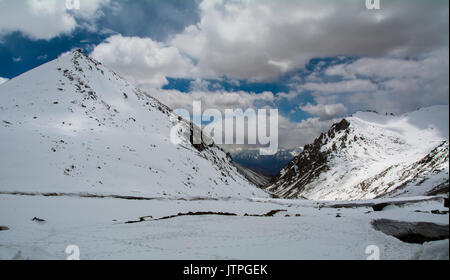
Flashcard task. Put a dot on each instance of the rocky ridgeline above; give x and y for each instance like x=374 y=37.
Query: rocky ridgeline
x=368 y=156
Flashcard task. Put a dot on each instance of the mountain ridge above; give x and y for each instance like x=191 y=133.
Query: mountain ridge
x=73 y=125
x=268 y=166
x=358 y=158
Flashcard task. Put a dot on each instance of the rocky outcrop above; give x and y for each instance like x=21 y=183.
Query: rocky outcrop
x=410 y=232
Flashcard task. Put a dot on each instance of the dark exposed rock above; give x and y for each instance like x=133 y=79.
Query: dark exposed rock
x=141 y=219
x=268 y=214
x=197 y=214
x=343 y=125
x=4 y=228
x=440 y=189
x=35 y=219
x=379 y=206
x=411 y=232
x=208 y=213
x=196 y=138
x=438 y=212
x=273 y=213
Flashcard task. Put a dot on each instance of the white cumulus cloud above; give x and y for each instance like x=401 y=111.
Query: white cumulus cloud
x=143 y=60
x=325 y=112
x=343 y=86
x=220 y=99
x=386 y=84
x=261 y=39
x=44 y=19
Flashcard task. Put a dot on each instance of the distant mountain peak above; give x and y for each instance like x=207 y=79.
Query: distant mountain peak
x=268 y=166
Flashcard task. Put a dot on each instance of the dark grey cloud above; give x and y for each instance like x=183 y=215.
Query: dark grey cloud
x=263 y=39
x=157 y=19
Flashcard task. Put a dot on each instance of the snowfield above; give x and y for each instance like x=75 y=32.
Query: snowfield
x=86 y=160
x=98 y=227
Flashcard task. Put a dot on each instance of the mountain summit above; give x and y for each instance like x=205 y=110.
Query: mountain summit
x=369 y=155
x=72 y=125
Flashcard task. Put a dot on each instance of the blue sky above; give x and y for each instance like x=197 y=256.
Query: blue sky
x=18 y=53
x=156 y=19
x=315 y=61
x=150 y=18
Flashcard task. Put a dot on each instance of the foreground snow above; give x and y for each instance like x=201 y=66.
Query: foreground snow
x=312 y=230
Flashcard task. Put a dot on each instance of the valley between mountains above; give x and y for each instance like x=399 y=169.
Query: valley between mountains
x=86 y=160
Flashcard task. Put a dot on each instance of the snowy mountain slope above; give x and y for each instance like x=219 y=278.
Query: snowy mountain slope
x=370 y=155
x=256 y=178
x=71 y=125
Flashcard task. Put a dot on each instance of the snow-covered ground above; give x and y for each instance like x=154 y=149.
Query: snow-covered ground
x=98 y=227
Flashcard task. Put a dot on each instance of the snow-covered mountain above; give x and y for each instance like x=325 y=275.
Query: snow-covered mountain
x=256 y=178
x=370 y=155
x=72 y=125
